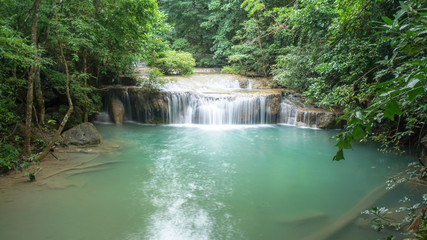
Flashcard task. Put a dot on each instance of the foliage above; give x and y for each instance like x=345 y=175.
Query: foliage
x=293 y=69
x=410 y=216
x=231 y=70
x=186 y=17
x=173 y=62
x=154 y=81
x=8 y=156
x=404 y=90
x=101 y=41
x=204 y=28
x=253 y=53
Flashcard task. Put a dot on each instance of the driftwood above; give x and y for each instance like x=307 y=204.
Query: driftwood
x=348 y=217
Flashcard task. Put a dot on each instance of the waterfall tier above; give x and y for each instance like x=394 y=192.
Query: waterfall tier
x=214 y=100
x=195 y=108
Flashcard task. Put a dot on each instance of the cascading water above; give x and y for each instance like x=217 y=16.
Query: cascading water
x=294 y=112
x=189 y=108
x=210 y=99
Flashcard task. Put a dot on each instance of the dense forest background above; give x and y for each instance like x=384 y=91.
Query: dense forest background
x=364 y=57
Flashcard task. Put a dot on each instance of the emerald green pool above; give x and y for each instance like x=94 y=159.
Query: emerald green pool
x=203 y=182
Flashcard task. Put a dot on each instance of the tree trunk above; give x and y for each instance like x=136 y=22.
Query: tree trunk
x=39 y=96
x=85 y=79
x=33 y=70
x=37 y=81
x=46 y=150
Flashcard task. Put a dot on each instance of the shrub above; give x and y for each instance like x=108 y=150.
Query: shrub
x=231 y=70
x=173 y=62
x=153 y=82
x=294 y=69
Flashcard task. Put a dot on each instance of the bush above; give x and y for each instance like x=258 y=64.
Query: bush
x=294 y=69
x=153 y=82
x=8 y=157
x=231 y=70
x=173 y=62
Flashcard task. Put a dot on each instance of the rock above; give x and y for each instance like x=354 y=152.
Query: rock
x=127 y=81
x=117 y=110
x=327 y=120
x=274 y=103
x=82 y=134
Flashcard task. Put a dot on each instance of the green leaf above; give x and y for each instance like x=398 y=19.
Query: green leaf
x=392 y=109
x=412 y=83
x=358 y=132
x=399 y=14
x=344 y=144
x=387 y=20
x=339 y=156
x=415 y=93
x=409 y=33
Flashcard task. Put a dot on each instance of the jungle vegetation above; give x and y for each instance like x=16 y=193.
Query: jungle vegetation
x=364 y=57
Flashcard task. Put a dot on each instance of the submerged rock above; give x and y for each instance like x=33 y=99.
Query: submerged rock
x=82 y=134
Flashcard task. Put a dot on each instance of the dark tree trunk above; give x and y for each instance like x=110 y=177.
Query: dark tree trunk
x=46 y=150
x=39 y=96
x=31 y=76
x=85 y=84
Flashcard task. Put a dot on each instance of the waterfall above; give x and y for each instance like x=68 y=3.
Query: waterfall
x=127 y=105
x=213 y=100
x=191 y=108
x=249 y=84
x=294 y=112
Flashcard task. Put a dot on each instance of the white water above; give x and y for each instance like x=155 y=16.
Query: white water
x=213 y=99
x=189 y=108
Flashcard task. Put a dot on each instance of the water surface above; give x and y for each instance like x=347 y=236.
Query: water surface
x=202 y=182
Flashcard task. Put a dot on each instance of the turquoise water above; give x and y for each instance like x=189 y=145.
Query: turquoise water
x=202 y=182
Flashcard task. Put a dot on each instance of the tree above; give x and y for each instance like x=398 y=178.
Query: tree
x=31 y=76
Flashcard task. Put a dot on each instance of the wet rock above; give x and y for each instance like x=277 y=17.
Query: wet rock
x=274 y=103
x=327 y=120
x=117 y=110
x=82 y=134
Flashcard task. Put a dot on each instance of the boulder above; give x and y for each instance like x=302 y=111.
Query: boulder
x=327 y=120
x=117 y=110
x=82 y=134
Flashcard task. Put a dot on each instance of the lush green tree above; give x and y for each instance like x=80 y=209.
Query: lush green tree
x=398 y=107
x=186 y=17
x=100 y=41
x=224 y=21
